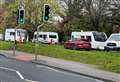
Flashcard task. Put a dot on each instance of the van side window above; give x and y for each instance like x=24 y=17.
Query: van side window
x=44 y=37
x=88 y=38
x=40 y=36
x=12 y=33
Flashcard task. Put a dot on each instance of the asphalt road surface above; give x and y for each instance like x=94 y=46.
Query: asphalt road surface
x=12 y=70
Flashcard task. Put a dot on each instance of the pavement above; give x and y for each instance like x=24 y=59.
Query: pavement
x=73 y=67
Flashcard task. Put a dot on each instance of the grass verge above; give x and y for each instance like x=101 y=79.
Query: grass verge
x=105 y=60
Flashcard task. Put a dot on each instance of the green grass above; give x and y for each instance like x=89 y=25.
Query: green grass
x=104 y=60
x=6 y=45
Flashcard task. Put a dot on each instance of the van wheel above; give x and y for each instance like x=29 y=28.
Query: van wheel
x=107 y=50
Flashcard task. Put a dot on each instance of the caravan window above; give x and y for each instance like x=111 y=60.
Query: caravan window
x=52 y=36
x=40 y=36
x=21 y=33
x=88 y=38
x=35 y=36
x=18 y=33
x=12 y=33
x=99 y=36
x=44 y=37
x=82 y=37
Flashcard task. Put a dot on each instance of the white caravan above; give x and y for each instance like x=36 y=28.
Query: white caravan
x=97 y=39
x=20 y=35
x=46 y=37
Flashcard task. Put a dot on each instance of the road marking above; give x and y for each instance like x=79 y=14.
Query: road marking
x=47 y=68
x=19 y=74
x=9 y=69
x=30 y=80
x=67 y=73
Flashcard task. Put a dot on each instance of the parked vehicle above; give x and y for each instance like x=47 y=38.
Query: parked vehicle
x=113 y=42
x=46 y=37
x=77 y=44
x=97 y=39
x=20 y=35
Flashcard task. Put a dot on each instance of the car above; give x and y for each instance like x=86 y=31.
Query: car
x=77 y=44
x=113 y=42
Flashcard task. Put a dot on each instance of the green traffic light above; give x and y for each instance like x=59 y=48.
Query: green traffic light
x=21 y=20
x=21 y=16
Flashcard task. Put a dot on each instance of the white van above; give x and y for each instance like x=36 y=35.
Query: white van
x=113 y=42
x=97 y=39
x=20 y=35
x=46 y=37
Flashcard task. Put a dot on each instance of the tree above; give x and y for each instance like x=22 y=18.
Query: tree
x=97 y=11
x=115 y=15
x=73 y=10
x=33 y=11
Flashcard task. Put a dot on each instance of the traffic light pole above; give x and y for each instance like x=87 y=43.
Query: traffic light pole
x=37 y=42
x=14 y=47
x=21 y=9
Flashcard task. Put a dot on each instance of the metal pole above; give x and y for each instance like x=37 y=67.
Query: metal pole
x=37 y=42
x=14 y=47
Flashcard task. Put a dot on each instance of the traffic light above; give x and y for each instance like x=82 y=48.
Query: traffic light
x=46 y=12
x=21 y=16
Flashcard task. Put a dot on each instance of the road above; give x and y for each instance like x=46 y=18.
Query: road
x=12 y=70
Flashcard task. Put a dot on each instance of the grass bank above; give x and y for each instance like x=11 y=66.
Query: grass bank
x=104 y=60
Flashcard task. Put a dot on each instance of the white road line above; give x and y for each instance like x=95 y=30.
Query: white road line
x=20 y=75
x=47 y=68
x=67 y=73
x=30 y=80
x=9 y=69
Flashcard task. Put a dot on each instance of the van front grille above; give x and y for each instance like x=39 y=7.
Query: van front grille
x=111 y=44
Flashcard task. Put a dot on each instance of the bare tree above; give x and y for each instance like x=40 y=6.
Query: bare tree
x=115 y=15
x=97 y=10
